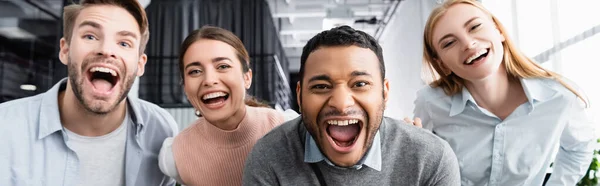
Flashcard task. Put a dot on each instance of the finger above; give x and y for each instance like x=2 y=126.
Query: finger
x=407 y=120
x=418 y=122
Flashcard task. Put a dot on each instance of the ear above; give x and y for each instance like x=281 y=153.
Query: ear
x=248 y=79
x=63 y=54
x=142 y=64
x=298 y=95
x=386 y=90
x=445 y=70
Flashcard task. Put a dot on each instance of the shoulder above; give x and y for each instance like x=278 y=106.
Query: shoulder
x=188 y=132
x=556 y=86
x=155 y=116
x=21 y=103
x=428 y=93
x=272 y=116
x=409 y=136
x=281 y=136
x=24 y=109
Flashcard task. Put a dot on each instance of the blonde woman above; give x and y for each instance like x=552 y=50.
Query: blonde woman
x=503 y=114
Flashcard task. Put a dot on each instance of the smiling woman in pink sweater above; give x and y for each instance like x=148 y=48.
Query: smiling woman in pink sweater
x=214 y=66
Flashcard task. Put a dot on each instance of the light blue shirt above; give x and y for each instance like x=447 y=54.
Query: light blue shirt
x=35 y=147
x=519 y=149
x=372 y=158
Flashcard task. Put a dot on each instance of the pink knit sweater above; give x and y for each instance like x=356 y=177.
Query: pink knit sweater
x=207 y=155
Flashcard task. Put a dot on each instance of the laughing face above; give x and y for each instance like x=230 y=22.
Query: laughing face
x=103 y=57
x=468 y=43
x=213 y=80
x=342 y=98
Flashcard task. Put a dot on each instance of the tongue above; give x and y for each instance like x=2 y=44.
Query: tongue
x=343 y=133
x=215 y=100
x=101 y=85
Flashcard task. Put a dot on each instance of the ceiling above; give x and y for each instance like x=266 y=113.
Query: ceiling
x=299 y=20
x=296 y=20
x=28 y=28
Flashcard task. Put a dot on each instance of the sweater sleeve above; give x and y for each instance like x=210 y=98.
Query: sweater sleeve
x=166 y=160
x=447 y=172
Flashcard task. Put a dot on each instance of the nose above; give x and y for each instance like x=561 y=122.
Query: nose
x=107 y=49
x=470 y=43
x=210 y=78
x=341 y=99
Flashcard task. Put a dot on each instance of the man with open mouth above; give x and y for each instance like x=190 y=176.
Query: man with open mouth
x=85 y=130
x=342 y=137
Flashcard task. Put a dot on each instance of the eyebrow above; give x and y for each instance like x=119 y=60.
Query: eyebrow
x=324 y=77
x=214 y=60
x=465 y=25
x=127 y=33
x=360 y=73
x=192 y=64
x=90 y=23
x=217 y=59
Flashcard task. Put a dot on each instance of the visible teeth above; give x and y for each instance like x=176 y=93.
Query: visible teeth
x=213 y=95
x=481 y=52
x=105 y=70
x=342 y=122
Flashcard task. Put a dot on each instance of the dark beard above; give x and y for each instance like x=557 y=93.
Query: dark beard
x=77 y=79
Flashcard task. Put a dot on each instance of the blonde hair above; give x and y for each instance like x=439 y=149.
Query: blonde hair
x=517 y=64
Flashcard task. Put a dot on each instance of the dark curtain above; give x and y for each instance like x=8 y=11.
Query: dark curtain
x=31 y=61
x=172 y=20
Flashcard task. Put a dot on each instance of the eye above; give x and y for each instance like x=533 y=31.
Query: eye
x=320 y=88
x=360 y=84
x=475 y=26
x=447 y=44
x=89 y=37
x=125 y=44
x=223 y=66
x=194 y=72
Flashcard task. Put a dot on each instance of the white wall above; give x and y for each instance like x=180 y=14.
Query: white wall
x=543 y=25
x=134 y=91
x=183 y=116
x=402 y=43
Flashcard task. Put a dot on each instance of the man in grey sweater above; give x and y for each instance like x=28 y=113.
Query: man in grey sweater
x=342 y=137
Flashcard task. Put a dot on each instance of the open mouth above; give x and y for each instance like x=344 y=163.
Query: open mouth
x=215 y=98
x=103 y=79
x=344 y=133
x=477 y=57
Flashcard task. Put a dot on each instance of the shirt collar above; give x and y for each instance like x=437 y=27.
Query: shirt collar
x=459 y=101
x=49 y=116
x=372 y=158
x=536 y=89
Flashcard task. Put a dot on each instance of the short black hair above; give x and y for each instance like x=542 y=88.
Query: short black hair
x=341 y=36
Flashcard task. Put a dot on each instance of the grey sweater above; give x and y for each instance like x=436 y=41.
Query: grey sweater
x=410 y=156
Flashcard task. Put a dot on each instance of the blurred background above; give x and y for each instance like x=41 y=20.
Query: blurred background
x=562 y=35
x=559 y=34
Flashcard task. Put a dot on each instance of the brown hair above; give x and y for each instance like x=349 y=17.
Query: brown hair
x=220 y=34
x=132 y=6
x=516 y=63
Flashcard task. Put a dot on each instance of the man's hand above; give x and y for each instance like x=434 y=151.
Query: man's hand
x=416 y=122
